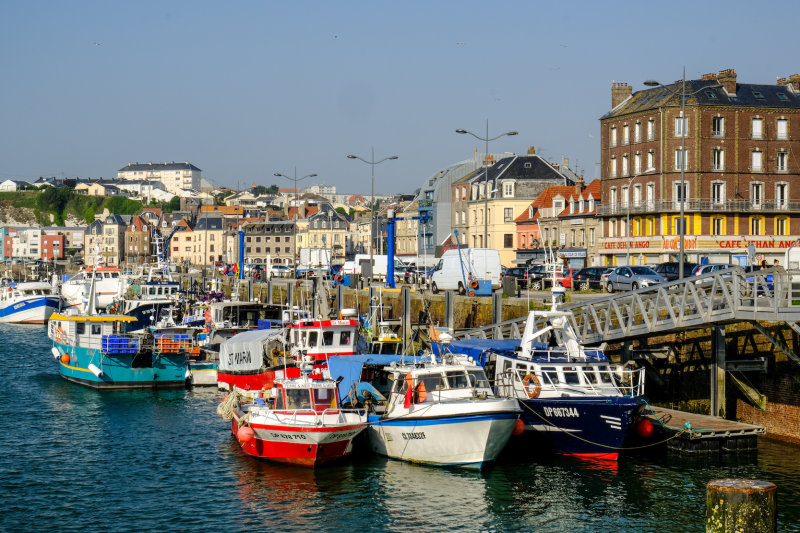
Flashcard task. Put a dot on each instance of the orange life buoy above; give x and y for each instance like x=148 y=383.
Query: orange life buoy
x=339 y=278
x=537 y=385
x=59 y=335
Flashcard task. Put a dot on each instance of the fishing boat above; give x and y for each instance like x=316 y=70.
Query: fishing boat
x=438 y=413
x=574 y=400
x=98 y=351
x=108 y=286
x=297 y=421
x=29 y=302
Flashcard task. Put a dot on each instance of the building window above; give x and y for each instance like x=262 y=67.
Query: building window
x=680 y=159
x=612 y=227
x=680 y=194
x=613 y=198
x=651 y=129
x=782 y=195
x=681 y=126
x=624 y=165
x=651 y=195
x=756 y=194
x=717 y=159
x=782 y=130
x=508 y=189
x=613 y=137
x=637 y=163
x=625 y=134
x=612 y=168
x=757 y=128
x=508 y=214
x=717 y=226
x=718 y=127
x=756 y=161
x=756 y=225
x=591 y=236
x=625 y=196
x=781 y=225
x=782 y=162
x=651 y=160
x=508 y=240
x=718 y=192
x=637 y=195
x=637 y=132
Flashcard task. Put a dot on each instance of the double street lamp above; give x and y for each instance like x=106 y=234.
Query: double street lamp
x=486 y=176
x=296 y=199
x=372 y=164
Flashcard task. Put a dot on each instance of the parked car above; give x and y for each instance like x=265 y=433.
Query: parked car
x=587 y=277
x=669 y=270
x=632 y=278
x=708 y=268
x=564 y=276
x=280 y=271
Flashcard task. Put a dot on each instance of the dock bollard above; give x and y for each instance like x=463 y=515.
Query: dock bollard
x=741 y=505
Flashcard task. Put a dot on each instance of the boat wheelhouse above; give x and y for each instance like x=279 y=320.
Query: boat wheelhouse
x=321 y=339
x=108 y=286
x=30 y=302
x=98 y=351
x=297 y=421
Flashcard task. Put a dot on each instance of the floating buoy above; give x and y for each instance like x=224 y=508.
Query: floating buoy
x=55 y=352
x=245 y=434
x=644 y=428
x=188 y=374
x=519 y=427
x=94 y=370
x=65 y=358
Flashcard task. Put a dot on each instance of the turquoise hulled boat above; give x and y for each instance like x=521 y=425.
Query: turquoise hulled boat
x=98 y=351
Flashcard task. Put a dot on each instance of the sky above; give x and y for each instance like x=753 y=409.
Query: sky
x=244 y=90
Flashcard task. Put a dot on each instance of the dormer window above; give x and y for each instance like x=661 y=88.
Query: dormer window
x=508 y=189
x=571 y=207
x=530 y=211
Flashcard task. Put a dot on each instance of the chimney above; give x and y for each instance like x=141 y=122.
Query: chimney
x=727 y=78
x=709 y=76
x=580 y=185
x=619 y=92
x=531 y=151
x=565 y=162
x=794 y=82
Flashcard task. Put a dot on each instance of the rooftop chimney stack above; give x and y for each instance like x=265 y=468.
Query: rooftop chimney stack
x=794 y=83
x=727 y=78
x=619 y=93
x=580 y=185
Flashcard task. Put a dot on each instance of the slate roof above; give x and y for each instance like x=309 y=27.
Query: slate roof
x=209 y=223
x=158 y=166
x=513 y=167
x=708 y=93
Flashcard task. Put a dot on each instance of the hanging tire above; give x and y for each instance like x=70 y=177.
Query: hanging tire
x=434 y=288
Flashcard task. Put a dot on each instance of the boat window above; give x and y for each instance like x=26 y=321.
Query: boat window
x=298 y=399
x=312 y=339
x=95 y=329
x=431 y=381
x=152 y=291
x=114 y=275
x=478 y=379
x=324 y=398
x=605 y=375
x=327 y=338
x=279 y=400
x=589 y=374
x=344 y=338
x=506 y=365
x=457 y=379
x=303 y=338
x=81 y=328
x=571 y=376
x=550 y=374
x=523 y=368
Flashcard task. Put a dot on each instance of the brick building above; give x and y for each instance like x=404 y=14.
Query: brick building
x=138 y=241
x=740 y=169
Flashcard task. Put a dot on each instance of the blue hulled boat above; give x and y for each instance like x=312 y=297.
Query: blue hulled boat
x=29 y=302
x=574 y=400
x=98 y=351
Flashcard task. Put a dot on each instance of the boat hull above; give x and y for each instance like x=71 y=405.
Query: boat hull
x=35 y=310
x=466 y=440
x=589 y=427
x=121 y=371
x=307 y=446
x=203 y=373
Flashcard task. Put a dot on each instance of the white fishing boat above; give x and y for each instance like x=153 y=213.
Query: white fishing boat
x=434 y=413
x=108 y=287
x=29 y=302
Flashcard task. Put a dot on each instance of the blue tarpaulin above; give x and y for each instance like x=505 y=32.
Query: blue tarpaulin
x=348 y=367
x=476 y=347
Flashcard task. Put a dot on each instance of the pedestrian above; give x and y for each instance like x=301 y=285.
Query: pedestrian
x=776 y=263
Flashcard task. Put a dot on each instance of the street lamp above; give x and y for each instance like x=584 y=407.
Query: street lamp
x=296 y=199
x=486 y=176
x=684 y=132
x=628 y=202
x=372 y=164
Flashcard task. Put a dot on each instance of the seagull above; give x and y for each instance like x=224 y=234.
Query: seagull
x=96 y=43
x=459 y=43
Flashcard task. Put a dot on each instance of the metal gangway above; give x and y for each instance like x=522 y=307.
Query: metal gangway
x=699 y=302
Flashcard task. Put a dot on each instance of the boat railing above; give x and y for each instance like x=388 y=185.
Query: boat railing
x=579 y=381
x=319 y=416
x=176 y=343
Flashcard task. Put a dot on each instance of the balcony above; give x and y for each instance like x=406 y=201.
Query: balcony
x=701 y=205
x=425 y=203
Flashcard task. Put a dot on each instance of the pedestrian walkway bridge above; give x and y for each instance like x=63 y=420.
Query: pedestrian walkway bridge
x=716 y=299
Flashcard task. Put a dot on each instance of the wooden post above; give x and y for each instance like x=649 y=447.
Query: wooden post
x=741 y=505
x=497 y=307
x=718 y=371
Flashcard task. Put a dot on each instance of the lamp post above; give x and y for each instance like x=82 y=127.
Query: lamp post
x=486 y=176
x=685 y=123
x=628 y=202
x=296 y=198
x=372 y=164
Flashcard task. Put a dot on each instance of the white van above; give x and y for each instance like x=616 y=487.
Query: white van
x=478 y=263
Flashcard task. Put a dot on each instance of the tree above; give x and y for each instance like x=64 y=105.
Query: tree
x=89 y=214
x=341 y=210
x=258 y=190
x=174 y=204
x=272 y=189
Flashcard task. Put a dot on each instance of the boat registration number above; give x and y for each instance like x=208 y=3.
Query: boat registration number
x=561 y=412
x=417 y=435
x=286 y=436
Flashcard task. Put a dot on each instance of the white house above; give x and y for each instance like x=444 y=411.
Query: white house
x=174 y=176
x=13 y=185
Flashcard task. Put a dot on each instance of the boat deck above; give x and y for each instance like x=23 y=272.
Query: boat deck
x=705 y=434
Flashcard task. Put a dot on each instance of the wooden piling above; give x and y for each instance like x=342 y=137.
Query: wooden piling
x=741 y=505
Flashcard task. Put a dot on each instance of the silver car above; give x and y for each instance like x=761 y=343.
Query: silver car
x=631 y=278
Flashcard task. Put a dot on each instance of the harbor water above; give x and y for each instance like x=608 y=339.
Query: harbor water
x=75 y=459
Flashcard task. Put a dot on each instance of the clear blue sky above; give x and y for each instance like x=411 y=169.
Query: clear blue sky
x=246 y=89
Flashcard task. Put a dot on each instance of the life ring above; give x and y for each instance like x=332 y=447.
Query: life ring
x=537 y=385
x=339 y=278
x=59 y=335
x=473 y=284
